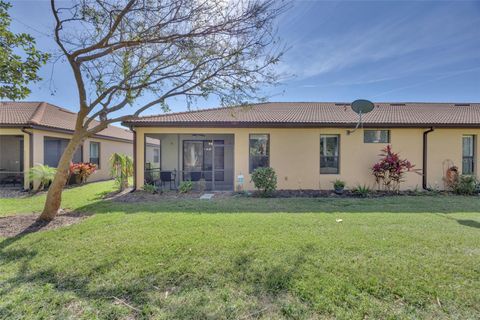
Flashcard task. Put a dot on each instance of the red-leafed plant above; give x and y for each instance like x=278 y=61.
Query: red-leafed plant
x=82 y=170
x=390 y=171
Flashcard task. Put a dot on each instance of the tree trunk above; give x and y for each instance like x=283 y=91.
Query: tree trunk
x=54 y=195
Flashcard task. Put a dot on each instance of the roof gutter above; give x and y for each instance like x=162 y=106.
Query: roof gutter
x=233 y=124
x=59 y=130
x=425 y=158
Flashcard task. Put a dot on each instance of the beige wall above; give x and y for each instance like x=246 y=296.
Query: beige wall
x=445 y=145
x=26 y=148
x=107 y=147
x=295 y=154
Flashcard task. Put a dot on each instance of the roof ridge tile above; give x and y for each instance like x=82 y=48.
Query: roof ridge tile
x=37 y=116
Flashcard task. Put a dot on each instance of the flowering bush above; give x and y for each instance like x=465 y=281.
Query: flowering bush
x=390 y=170
x=82 y=170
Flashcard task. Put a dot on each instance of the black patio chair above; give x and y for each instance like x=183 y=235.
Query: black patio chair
x=167 y=176
x=195 y=175
x=13 y=179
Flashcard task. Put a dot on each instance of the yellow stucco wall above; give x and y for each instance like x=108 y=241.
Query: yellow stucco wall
x=107 y=147
x=295 y=154
x=446 y=144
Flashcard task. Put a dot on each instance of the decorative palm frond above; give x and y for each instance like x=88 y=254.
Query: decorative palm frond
x=42 y=174
x=121 y=168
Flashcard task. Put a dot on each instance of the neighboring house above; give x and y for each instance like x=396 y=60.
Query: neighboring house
x=307 y=143
x=37 y=133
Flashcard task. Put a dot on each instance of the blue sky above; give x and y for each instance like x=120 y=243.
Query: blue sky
x=338 y=51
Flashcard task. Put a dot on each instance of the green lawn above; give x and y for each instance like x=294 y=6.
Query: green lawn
x=72 y=199
x=399 y=257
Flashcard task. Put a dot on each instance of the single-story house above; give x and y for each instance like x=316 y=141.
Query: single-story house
x=309 y=144
x=37 y=133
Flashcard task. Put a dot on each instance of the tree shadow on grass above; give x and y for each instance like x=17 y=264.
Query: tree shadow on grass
x=112 y=295
x=135 y=291
x=463 y=222
x=469 y=223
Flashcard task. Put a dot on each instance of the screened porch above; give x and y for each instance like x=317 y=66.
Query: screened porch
x=204 y=159
x=11 y=161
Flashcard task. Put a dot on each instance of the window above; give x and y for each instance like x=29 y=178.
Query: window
x=153 y=153
x=53 y=149
x=376 y=136
x=329 y=154
x=468 y=154
x=95 y=153
x=259 y=151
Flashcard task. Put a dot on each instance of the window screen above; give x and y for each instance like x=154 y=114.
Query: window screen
x=53 y=149
x=376 y=136
x=329 y=154
x=95 y=153
x=468 y=154
x=259 y=154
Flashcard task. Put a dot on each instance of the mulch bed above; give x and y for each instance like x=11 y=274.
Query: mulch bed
x=13 y=226
x=12 y=193
x=332 y=194
x=143 y=196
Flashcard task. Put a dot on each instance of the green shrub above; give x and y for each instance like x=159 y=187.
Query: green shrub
x=265 y=180
x=466 y=185
x=185 y=186
x=362 y=191
x=338 y=184
x=150 y=188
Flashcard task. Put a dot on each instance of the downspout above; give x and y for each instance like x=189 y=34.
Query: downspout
x=30 y=147
x=30 y=150
x=134 y=159
x=425 y=158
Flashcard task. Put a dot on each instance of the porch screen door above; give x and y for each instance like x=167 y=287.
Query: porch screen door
x=192 y=159
x=214 y=160
x=206 y=157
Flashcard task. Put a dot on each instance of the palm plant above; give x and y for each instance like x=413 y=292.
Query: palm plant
x=121 y=168
x=41 y=175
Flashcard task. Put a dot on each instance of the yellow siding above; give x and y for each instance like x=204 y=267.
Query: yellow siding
x=107 y=147
x=295 y=154
x=446 y=144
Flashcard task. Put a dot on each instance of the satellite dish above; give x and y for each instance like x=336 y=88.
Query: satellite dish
x=360 y=107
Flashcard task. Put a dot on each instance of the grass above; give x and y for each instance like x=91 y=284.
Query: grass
x=72 y=198
x=390 y=258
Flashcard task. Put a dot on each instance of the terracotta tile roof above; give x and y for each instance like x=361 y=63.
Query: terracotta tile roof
x=312 y=114
x=48 y=116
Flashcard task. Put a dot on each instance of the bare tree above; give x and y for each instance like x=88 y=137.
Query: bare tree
x=137 y=54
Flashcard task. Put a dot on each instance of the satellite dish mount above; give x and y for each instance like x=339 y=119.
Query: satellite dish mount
x=360 y=107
